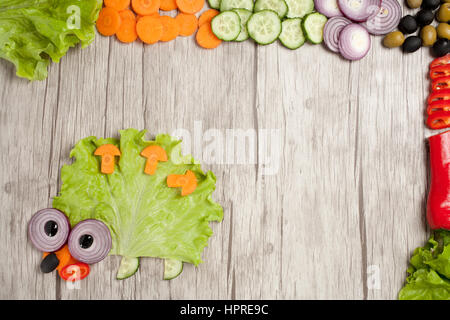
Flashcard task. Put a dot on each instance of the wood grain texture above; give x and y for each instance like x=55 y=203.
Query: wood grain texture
x=349 y=193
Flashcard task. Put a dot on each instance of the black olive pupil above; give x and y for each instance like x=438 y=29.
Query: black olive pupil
x=86 y=241
x=51 y=228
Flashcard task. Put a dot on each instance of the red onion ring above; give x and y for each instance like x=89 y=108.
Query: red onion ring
x=100 y=246
x=36 y=230
x=354 y=42
x=359 y=10
x=331 y=32
x=328 y=8
x=386 y=20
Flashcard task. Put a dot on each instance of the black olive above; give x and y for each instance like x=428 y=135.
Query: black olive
x=412 y=44
x=441 y=47
x=408 y=24
x=430 y=4
x=86 y=241
x=424 y=17
x=49 y=263
x=51 y=228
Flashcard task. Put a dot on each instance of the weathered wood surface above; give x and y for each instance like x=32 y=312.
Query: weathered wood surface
x=346 y=202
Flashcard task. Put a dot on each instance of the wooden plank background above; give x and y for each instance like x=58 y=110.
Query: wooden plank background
x=347 y=202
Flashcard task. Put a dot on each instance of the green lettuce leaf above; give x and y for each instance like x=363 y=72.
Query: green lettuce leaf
x=429 y=271
x=34 y=31
x=146 y=218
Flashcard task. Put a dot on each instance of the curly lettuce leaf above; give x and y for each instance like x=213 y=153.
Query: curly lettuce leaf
x=146 y=218
x=34 y=31
x=429 y=271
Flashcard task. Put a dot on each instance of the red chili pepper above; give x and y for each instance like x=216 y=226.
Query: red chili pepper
x=74 y=272
x=439 y=120
x=440 y=83
x=437 y=106
x=440 y=61
x=438 y=206
x=440 y=95
x=440 y=71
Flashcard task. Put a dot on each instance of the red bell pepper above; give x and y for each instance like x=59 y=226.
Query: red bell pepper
x=439 y=120
x=445 y=60
x=440 y=71
x=440 y=83
x=438 y=206
x=440 y=95
x=438 y=105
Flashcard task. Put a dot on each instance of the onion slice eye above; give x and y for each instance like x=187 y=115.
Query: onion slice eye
x=90 y=241
x=48 y=229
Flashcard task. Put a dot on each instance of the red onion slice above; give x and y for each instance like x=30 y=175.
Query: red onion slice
x=354 y=42
x=328 y=8
x=42 y=223
x=331 y=32
x=386 y=20
x=359 y=10
x=98 y=248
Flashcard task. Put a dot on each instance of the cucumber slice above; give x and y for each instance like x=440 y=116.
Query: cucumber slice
x=299 y=8
x=226 y=25
x=226 y=5
x=244 y=15
x=279 y=6
x=292 y=34
x=128 y=267
x=172 y=268
x=215 y=4
x=264 y=26
x=312 y=26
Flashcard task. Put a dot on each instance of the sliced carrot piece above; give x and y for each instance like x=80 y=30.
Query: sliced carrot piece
x=64 y=257
x=107 y=152
x=153 y=155
x=171 y=28
x=117 y=4
x=127 y=14
x=206 y=38
x=168 y=5
x=127 y=31
x=188 y=24
x=145 y=7
x=108 y=21
x=187 y=182
x=190 y=6
x=149 y=29
x=207 y=16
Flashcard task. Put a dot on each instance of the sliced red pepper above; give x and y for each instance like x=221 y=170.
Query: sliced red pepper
x=439 y=120
x=440 y=83
x=440 y=95
x=440 y=71
x=74 y=272
x=445 y=60
x=439 y=105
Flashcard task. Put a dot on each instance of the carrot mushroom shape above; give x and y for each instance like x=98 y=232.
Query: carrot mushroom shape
x=153 y=155
x=187 y=182
x=107 y=152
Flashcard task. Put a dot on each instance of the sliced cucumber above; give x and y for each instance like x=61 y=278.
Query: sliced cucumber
x=299 y=8
x=279 y=6
x=215 y=4
x=226 y=25
x=264 y=26
x=172 y=268
x=292 y=36
x=312 y=26
x=226 y=5
x=244 y=15
x=128 y=267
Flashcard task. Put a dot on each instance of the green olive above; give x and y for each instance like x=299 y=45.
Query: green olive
x=413 y=4
x=428 y=35
x=443 y=30
x=394 y=39
x=443 y=14
x=445 y=1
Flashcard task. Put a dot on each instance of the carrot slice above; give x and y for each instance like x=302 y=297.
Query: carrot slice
x=108 y=21
x=190 y=6
x=168 y=5
x=117 y=4
x=145 y=7
x=153 y=155
x=206 y=38
x=127 y=14
x=171 y=28
x=64 y=257
x=207 y=16
x=107 y=152
x=149 y=29
x=187 y=182
x=127 y=31
x=188 y=23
